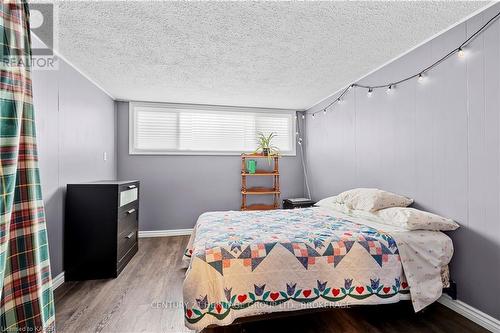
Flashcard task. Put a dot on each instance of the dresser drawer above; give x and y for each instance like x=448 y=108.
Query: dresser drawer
x=128 y=196
x=126 y=241
x=127 y=220
x=120 y=265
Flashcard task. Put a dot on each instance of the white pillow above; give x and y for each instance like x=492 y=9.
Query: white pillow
x=372 y=199
x=414 y=219
x=332 y=202
x=326 y=201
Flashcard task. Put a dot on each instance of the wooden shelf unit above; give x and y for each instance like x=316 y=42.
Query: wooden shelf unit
x=274 y=190
x=261 y=173
x=259 y=207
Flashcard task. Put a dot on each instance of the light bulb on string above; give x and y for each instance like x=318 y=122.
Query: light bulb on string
x=370 y=92
x=461 y=52
x=420 y=77
x=389 y=89
x=324 y=111
x=313 y=115
x=303 y=116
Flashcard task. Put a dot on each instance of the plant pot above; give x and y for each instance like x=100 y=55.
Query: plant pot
x=265 y=151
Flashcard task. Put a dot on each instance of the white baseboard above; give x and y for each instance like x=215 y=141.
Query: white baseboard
x=471 y=313
x=58 y=280
x=165 y=233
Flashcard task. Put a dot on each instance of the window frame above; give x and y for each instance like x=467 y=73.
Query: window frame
x=212 y=108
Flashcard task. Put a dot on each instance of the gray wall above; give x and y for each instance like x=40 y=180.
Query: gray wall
x=437 y=142
x=75 y=125
x=175 y=190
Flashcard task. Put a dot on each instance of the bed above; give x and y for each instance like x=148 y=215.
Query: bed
x=242 y=264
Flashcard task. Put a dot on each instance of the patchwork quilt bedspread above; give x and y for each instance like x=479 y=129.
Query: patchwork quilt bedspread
x=247 y=263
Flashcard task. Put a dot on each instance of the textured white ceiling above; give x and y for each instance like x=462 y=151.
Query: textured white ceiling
x=267 y=54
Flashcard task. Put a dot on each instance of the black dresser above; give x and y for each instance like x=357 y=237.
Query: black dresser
x=100 y=229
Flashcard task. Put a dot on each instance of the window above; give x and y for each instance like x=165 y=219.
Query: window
x=206 y=130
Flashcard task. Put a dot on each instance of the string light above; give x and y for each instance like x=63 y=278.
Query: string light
x=419 y=76
x=461 y=52
x=303 y=116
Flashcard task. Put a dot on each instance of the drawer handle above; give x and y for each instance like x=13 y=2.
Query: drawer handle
x=131 y=186
x=130 y=235
x=131 y=211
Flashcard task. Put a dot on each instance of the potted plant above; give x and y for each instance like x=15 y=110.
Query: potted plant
x=264 y=145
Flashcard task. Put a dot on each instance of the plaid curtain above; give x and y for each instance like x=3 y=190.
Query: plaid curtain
x=26 y=303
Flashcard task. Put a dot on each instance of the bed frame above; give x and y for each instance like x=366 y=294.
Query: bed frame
x=451 y=290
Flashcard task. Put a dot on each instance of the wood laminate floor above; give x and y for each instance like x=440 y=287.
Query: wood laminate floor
x=147 y=297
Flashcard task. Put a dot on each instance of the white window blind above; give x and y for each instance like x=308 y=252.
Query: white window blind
x=217 y=131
